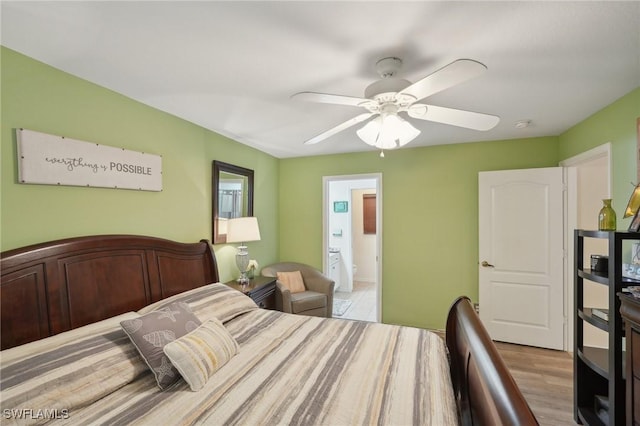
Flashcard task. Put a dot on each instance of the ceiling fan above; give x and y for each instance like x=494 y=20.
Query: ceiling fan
x=386 y=98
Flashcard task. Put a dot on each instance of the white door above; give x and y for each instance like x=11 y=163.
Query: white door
x=521 y=256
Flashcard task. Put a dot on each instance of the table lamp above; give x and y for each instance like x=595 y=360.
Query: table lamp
x=241 y=230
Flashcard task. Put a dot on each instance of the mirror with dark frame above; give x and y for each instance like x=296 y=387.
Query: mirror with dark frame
x=232 y=196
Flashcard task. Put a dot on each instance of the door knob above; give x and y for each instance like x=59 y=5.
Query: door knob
x=486 y=264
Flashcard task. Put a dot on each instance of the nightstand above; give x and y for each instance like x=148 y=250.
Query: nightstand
x=261 y=290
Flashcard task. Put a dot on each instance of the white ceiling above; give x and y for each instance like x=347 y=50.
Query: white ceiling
x=232 y=66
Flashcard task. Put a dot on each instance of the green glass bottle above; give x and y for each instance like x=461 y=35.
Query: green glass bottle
x=607 y=217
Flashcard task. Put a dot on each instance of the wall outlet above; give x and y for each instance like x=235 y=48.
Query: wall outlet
x=476 y=306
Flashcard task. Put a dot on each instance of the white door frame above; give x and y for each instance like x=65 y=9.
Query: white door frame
x=377 y=177
x=571 y=166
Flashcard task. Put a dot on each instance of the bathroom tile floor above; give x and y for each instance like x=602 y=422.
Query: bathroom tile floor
x=363 y=297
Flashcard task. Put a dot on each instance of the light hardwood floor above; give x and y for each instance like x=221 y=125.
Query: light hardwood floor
x=544 y=376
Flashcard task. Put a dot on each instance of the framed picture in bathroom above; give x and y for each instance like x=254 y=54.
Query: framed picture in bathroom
x=340 y=206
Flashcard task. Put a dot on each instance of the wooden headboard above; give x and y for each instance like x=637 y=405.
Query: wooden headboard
x=485 y=391
x=60 y=285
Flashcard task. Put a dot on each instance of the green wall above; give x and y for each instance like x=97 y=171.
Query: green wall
x=38 y=97
x=430 y=217
x=615 y=123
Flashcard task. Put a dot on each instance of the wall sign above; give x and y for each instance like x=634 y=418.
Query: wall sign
x=56 y=160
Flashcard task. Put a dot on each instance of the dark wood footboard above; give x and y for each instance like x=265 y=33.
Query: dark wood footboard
x=485 y=391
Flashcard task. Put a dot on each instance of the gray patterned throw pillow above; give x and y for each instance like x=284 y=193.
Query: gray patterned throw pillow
x=151 y=332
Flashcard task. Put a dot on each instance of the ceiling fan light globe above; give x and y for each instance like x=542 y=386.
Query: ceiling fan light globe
x=387 y=131
x=386 y=140
x=409 y=133
x=370 y=131
x=396 y=131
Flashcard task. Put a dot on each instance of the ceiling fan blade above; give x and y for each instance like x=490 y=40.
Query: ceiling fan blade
x=327 y=98
x=340 y=127
x=454 y=117
x=448 y=76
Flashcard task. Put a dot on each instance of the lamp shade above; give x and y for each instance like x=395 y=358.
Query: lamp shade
x=243 y=229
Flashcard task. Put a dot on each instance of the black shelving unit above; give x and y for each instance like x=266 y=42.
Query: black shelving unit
x=599 y=386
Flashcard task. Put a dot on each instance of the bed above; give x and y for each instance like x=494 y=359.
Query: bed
x=66 y=358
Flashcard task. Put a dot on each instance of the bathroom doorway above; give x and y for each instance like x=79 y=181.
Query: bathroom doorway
x=352 y=241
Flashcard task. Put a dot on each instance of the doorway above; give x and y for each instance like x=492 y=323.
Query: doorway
x=588 y=177
x=352 y=241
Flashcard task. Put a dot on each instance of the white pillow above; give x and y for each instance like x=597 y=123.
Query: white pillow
x=199 y=354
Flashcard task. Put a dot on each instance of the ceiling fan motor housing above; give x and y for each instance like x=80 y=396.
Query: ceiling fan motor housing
x=386 y=85
x=386 y=91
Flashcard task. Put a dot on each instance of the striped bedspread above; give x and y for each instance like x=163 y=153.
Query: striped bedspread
x=290 y=369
